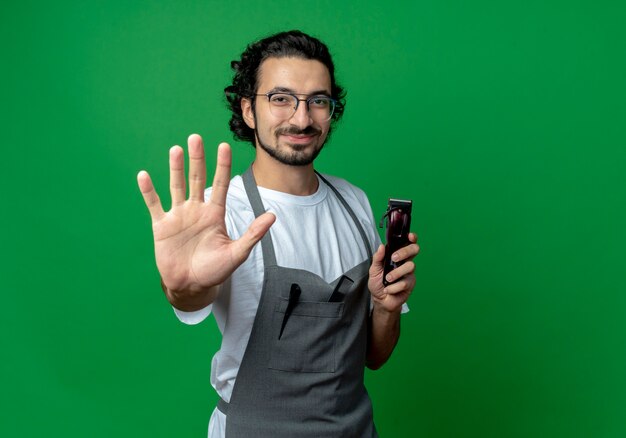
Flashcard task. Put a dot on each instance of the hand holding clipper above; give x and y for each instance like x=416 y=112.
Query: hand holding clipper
x=398 y=224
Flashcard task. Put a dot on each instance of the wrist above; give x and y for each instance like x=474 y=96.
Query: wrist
x=382 y=311
x=190 y=300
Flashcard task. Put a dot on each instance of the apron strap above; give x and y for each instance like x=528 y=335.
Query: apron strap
x=267 y=246
x=359 y=227
x=222 y=406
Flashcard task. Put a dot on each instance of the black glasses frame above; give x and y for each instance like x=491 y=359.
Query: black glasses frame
x=307 y=100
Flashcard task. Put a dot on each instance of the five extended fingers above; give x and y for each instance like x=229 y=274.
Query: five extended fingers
x=197 y=177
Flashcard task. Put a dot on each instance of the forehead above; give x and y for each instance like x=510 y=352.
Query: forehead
x=296 y=74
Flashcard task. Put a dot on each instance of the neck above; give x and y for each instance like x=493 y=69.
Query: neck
x=294 y=180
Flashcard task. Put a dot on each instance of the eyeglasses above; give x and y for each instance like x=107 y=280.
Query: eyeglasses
x=285 y=105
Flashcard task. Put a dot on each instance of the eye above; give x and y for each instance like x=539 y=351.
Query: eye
x=281 y=99
x=319 y=101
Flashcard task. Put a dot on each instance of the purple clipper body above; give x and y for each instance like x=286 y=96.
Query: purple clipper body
x=398 y=224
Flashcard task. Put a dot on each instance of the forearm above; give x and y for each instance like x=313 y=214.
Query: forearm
x=384 y=334
x=190 y=300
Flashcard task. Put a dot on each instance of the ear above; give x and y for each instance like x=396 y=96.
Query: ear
x=247 y=112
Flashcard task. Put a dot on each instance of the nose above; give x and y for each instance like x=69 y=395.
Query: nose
x=301 y=118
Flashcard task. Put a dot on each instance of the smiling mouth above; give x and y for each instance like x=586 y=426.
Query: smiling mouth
x=296 y=136
x=299 y=139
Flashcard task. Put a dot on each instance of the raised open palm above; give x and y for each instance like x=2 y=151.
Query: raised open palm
x=193 y=250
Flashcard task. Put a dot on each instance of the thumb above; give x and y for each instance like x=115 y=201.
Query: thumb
x=378 y=259
x=254 y=233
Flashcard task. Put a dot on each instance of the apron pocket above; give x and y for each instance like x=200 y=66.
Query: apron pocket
x=307 y=342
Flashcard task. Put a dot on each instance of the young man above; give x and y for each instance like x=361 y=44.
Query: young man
x=305 y=311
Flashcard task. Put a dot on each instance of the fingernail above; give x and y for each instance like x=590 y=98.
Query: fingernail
x=395 y=257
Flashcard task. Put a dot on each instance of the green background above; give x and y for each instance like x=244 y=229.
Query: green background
x=503 y=121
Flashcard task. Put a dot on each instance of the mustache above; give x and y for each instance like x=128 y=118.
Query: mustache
x=292 y=130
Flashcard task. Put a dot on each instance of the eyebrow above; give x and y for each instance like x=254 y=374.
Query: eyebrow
x=289 y=90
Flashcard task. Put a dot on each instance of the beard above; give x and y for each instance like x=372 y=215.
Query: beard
x=294 y=154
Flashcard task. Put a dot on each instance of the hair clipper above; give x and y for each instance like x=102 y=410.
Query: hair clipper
x=398 y=225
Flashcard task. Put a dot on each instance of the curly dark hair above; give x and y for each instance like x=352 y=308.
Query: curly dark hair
x=245 y=80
